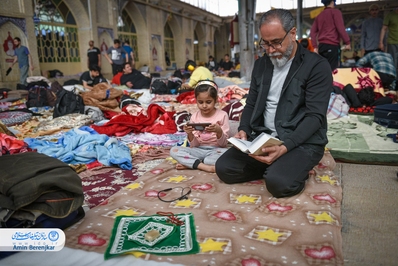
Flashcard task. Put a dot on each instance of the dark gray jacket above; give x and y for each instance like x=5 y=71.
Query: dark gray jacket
x=34 y=182
x=301 y=113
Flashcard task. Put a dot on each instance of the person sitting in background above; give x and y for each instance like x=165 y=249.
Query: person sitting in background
x=226 y=64
x=212 y=64
x=133 y=78
x=355 y=56
x=167 y=58
x=197 y=73
x=92 y=77
x=116 y=78
x=383 y=64
x=306 y=44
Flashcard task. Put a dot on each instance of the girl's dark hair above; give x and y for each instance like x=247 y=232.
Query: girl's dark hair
x=366 y=96
x=207 y=86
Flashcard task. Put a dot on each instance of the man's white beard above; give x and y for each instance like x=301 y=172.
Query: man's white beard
x=280 y=62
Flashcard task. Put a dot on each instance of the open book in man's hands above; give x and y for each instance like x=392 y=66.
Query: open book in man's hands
x=255 y=147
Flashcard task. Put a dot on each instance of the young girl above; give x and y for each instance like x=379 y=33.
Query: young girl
x=208 y=144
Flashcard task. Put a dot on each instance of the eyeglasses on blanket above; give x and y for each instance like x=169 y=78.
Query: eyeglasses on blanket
x=185 y=191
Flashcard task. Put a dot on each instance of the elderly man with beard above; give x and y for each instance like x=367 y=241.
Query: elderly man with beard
x=288 y=99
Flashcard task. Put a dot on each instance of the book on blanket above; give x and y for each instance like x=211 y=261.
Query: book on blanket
x=255 y=147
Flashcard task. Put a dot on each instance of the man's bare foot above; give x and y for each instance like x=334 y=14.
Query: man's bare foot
x=207 y=168
x=180 y=167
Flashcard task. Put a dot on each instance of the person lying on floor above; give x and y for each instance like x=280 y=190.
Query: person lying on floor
x=92 y=77
x=288 y=99
x=133 y=78
x=365 y=97
x=208 y=143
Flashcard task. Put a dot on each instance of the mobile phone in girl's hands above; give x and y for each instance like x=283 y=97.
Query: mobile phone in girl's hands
x=199 y=126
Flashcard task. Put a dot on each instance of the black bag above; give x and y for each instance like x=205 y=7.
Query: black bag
x=41 y=83
x=54 y=73
x=386 y=115
x=52 y=93
x=159 y=86
x=71 y=82
x=21 y=86
x=174 y=85
x=37 y=97
x=68 y=102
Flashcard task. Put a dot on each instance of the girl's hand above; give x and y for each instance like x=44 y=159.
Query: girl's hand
x=188 y=129
x=214 y=128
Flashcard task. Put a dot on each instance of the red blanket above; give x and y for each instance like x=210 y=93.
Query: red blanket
x=156 y=121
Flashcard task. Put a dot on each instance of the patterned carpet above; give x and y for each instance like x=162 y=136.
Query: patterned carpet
x=238 y=224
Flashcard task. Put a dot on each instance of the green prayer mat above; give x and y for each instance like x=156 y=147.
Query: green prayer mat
x=153 y=234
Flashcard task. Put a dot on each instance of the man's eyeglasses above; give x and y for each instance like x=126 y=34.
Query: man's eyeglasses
x=274 y=44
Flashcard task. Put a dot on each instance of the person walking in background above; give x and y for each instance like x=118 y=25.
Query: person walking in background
x=370 y=31
x=206 y=144
x=93 y=55
x=288 y=99
x=390 y=25
x=24 y=59
x=326 y=31
x=129 y=52
x=116 y=59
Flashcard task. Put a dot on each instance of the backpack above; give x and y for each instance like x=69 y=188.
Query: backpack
x=37 y=96
x=159 y=86
x=41 y=83
x=52 y=93
x=173 y=85
x=68 y=102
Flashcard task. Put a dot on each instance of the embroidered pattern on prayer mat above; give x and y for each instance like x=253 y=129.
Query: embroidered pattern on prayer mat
x=236 y=224
x=153 y=234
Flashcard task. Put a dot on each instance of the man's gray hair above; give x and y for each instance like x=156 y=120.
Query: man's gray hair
x=283 y=15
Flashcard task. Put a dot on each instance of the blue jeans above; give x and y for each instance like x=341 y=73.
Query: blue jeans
x=23 y=72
